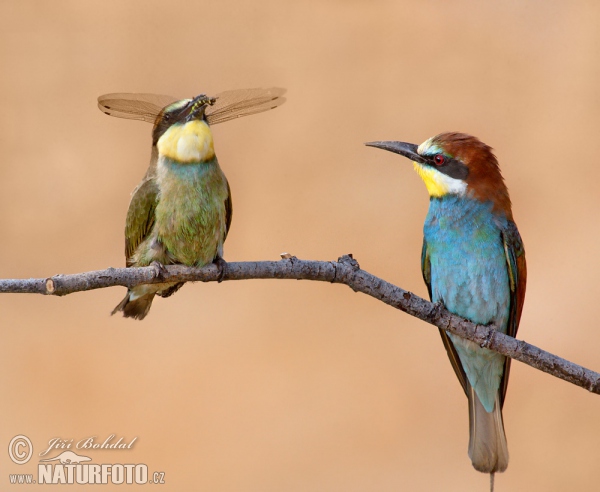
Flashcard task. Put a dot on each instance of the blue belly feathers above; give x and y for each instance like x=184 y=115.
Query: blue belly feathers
x=469 y=275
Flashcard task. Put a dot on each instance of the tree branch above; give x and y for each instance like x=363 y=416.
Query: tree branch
x=345 y=271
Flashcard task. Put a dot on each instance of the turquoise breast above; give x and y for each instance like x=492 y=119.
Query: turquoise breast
x=469 y=275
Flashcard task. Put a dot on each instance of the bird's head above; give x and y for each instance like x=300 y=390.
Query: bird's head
x=181 y=132
x=455 y=164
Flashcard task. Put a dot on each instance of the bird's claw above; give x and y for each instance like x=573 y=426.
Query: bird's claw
x=490 y=336
x=159 y=270
x=222 y=267
x=437 y=308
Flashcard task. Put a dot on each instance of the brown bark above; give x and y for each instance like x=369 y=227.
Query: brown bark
x=344 y=271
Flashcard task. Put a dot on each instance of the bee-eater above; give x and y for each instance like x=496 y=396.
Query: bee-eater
x=181 y=211
x=473 y=262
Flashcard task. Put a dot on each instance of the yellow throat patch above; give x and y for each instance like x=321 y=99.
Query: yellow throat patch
x=439 y=184
x=191 y=142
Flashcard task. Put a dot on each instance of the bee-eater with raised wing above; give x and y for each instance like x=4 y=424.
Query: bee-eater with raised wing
x=181 y=211
x=473 y=262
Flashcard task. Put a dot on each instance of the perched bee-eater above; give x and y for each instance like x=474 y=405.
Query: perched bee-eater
x=473 y=262
x=181 y=211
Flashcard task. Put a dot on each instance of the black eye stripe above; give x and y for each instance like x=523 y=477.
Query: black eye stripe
x=451 y=167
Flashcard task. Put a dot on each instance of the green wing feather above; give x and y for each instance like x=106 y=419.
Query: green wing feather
x=140 y=217
x=517 y=272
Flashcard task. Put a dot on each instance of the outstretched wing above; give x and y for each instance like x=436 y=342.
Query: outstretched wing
x=140 y=217
x=132 y=106
x=452 y=354
x=229 y=104
x=243 y=102
x=517 y=273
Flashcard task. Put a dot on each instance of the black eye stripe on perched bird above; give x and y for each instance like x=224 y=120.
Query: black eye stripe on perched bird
x=181 y=211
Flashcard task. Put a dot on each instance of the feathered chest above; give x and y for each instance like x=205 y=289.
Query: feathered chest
x=191 y=213
x=459 y=222
x=467 y=258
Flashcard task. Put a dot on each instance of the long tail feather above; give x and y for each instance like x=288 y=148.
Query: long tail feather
x=488 y=449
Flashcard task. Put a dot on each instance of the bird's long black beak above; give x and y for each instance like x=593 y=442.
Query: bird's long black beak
x=408 y=150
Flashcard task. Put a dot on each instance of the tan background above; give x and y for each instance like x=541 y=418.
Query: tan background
x=286 y=385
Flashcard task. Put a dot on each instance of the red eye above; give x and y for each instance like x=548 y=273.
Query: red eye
x=439 y=159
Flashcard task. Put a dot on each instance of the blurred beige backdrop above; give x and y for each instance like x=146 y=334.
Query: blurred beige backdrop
x=286 y=385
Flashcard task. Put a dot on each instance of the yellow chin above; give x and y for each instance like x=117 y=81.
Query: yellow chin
x=190 y=142
x=439 y=184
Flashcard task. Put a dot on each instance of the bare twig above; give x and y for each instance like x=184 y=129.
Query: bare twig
x=344 y=271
